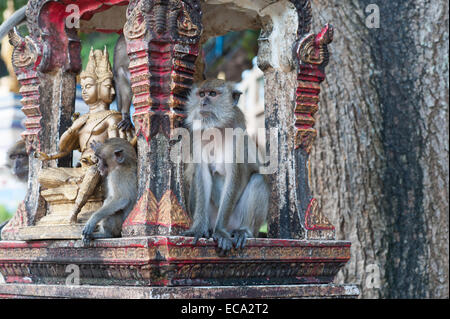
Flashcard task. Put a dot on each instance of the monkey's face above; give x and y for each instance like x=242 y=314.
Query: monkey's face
x=106 y=91
x=113 y=153
x=213 y=104
x=102 y=166
x=103 y=154
x=106 y=162
x=89 y=90
x=18 y=160
x=19 y=165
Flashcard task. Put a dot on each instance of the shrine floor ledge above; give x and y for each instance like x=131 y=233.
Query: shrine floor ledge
x=172 y=267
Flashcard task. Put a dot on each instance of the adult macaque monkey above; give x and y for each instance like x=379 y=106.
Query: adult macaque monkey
x=18 y=160
x=121 y=72
x=117 y=162
x=227 y=199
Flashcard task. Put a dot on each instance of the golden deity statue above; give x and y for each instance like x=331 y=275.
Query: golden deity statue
x=99 y=124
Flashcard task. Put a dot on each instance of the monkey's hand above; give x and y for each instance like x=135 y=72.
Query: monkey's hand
x=224 y=241
x=197 y=232
x=239 y=238
x=87 y=232
x=125 y=124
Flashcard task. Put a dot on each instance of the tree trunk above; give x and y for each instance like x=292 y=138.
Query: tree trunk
x=380 y=162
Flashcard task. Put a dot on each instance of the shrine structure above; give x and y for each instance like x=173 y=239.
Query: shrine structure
x=300 y=257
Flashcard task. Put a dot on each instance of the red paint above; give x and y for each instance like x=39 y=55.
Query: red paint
x=307 y=215
x=18 y=280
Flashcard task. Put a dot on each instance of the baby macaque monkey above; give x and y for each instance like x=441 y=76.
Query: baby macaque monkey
x=117 y=162
x=227 y=200
x=18 y=161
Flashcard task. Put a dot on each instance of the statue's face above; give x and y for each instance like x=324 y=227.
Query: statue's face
x=89 y=90
x=106 y=91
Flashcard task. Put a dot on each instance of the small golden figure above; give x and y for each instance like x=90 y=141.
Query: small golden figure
x=99 y=124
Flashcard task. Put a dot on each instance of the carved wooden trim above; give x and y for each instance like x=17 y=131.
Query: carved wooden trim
x=313 y=56
x=174 y=261
x=312 y=53
x=26 y=59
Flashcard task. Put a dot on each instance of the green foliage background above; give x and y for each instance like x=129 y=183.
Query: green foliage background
x=17 y=5
x=95 y=40
x=4 y=214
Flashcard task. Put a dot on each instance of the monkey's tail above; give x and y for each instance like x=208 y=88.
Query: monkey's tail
x=133 y=142
x=15 y=19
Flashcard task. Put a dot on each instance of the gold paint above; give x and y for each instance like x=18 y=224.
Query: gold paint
x=135 y=26
x=65 y=188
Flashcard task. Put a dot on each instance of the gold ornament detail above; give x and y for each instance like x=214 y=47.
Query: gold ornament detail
x=185 y=25
x=135 y=26
x=313 y=48
x=315 y=219
x=98 y=66
x=24 y=53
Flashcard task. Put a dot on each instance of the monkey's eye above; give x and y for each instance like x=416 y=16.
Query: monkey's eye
x=201 y=94
x=212 y=93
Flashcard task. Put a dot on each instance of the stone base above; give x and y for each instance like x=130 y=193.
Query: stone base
x=121 y=292
x=40 y=232
x=55 y=225
x=172 y=261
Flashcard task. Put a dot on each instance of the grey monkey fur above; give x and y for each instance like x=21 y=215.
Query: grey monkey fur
x=117 y=161
x=228 y=201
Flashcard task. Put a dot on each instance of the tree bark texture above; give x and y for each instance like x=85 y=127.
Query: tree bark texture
x=380 y=162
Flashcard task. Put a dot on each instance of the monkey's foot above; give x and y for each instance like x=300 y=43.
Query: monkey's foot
x=197 y=233
x=87 y=233
x=224 y=241
x=239 y=238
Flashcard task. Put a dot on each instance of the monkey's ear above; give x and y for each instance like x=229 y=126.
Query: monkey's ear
x=236 y=94
x=120 y=158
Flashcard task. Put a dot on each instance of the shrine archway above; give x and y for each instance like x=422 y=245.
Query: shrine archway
x=163 y=39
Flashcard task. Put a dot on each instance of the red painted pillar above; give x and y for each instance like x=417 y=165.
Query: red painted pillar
x=45 y=62
x=163 y=43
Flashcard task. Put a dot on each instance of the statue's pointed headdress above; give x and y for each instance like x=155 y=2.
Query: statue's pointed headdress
x=90 y=71
x=98 y=66
x=103 y=66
